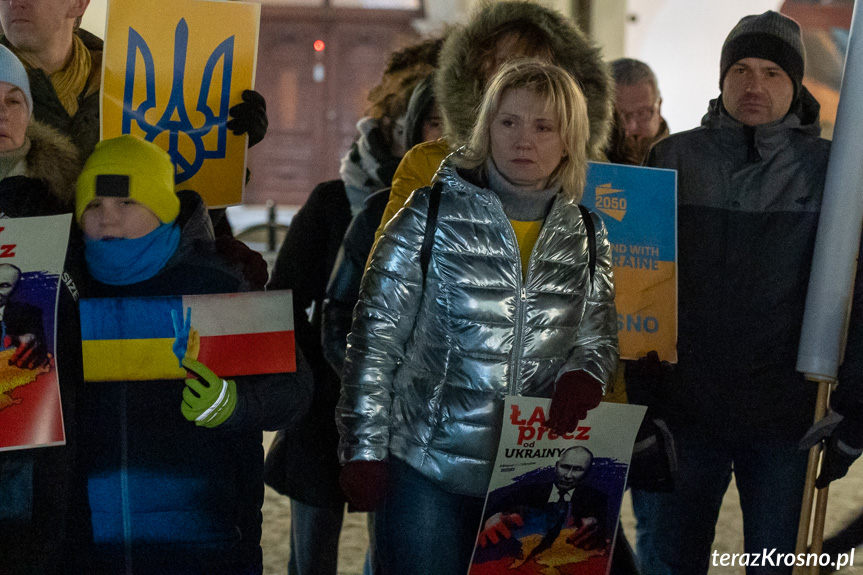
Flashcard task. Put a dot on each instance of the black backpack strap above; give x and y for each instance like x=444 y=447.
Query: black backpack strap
x=591 y=239
x=431 y=226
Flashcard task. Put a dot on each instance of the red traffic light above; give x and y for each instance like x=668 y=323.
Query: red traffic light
x=319 y=45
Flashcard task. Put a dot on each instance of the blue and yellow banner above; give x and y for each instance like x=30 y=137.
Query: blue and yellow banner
x=171 y=71
x=139 y=339
x=639 y=208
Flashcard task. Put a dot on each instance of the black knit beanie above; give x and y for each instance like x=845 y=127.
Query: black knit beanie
x=769 y=36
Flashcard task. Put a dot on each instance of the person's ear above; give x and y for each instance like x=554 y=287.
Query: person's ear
x=77 y=8
x=659 y=107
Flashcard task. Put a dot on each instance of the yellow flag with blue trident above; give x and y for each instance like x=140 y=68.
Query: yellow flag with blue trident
x=172 y=70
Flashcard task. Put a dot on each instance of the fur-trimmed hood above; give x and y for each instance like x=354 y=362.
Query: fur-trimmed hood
x=53 y=158
x=459 y=92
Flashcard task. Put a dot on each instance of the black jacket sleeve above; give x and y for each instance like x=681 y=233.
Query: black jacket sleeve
x=272 y=402
x=848 y=397
x=344 y=286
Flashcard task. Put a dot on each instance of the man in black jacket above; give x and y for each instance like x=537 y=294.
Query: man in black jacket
x=750 y=183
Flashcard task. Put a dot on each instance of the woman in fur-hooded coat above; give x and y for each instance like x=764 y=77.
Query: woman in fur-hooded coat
x=42 y=180
x=469 y=58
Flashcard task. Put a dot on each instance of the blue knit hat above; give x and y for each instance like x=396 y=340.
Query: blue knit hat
x=12 y=72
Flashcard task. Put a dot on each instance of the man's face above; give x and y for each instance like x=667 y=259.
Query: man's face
x=638 y=107
x=757 y=91
x=572 y=468
x=32 y=24
x=8 y=278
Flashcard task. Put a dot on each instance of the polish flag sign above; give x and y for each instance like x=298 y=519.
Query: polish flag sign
x=135 y=339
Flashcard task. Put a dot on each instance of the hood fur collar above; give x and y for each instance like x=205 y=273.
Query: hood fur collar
x=459 y=92
x=53 y=159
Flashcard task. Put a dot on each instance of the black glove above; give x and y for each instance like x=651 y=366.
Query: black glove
x=251 y=263
x=645 y=380
x=364 y=484
x=249 y=116
x=654 y=458
x=843 y=438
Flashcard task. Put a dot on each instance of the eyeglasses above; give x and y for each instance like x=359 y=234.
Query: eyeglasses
x=640 y=116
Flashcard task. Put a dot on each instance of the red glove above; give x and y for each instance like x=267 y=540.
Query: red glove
x=364 y=484
x=575 y=393
x=497 y=527
x=30 y=353
x=588 y=536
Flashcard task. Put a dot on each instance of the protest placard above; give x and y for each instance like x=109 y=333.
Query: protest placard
x=171 y=71
x=32 y=252
x=639 y=208
x=558 y=497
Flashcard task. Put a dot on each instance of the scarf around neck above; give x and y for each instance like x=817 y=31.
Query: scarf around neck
x=369 y=165
x=519 y=204
x=129 y=261
x=70 y=80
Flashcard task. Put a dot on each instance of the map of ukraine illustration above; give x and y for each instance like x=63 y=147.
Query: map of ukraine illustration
x=12 y=377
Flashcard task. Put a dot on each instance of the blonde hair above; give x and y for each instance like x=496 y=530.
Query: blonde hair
x=562 y=96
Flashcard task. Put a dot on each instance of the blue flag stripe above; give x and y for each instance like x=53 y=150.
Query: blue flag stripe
x=128 y=318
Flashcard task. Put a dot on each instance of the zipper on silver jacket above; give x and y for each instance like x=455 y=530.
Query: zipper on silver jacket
x=522 y=277
x=515 y=374
x=519 y=318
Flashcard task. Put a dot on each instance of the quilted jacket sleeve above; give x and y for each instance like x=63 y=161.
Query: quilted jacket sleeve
x=384 y=319
x=596 y=350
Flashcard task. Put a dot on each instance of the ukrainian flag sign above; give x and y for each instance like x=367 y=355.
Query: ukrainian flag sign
x=171 y=71
x=135 y=339
x=639 y=208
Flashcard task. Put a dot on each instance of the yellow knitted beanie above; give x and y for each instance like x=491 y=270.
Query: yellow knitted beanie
x=129 y=167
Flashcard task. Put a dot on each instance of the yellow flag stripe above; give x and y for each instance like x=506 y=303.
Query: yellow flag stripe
x=127 y=359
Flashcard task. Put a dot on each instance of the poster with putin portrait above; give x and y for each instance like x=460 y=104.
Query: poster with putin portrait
x=553 y=502
x=32 y=253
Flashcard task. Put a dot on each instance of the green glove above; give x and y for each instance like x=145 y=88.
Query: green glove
x=209 y=402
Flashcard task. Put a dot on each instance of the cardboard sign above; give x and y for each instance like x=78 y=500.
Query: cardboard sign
x=639 y=208
x=558 y=496
x=139 y=339
x=32 y=252
x=171 y=71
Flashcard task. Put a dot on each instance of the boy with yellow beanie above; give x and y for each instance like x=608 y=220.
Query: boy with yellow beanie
x=126 y=193
x=166 y=495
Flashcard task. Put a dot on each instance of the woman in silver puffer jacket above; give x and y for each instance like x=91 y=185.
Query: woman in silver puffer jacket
x=508 y=305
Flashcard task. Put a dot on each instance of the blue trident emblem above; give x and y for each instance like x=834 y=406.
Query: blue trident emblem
x=175 y=119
